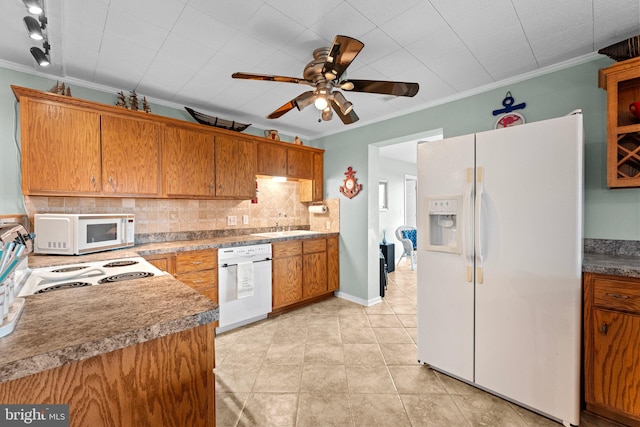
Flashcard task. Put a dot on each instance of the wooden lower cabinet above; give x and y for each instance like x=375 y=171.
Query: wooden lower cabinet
x=612 y=347
x=286 y=273
x=303 y=270
x=314 y=267
x=167 y=381
x=196 y=269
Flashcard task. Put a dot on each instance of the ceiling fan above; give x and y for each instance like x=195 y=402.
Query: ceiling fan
x=326 y=73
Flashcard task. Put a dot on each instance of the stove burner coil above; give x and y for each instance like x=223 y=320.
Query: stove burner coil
x=122 y=263
x=61 y=286
x=126 y=276
x=70 y=269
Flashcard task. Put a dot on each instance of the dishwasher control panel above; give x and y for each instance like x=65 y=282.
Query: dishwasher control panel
x=242 y=251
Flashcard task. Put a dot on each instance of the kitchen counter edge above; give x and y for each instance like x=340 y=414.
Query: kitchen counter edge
x=94 y=320
x=613 y=265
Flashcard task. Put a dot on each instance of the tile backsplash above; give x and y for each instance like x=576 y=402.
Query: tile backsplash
x=178 y=215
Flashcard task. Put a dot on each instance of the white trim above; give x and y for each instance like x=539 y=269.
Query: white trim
x=366 y=303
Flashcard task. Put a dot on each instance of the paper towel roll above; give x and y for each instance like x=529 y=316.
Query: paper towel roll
x=318 y=209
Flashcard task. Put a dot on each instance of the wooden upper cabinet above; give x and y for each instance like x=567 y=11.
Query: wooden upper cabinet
x=60 y=148
x=622 y=83
x=235 y=167
x=188 y=162
x=299 y=163
x=272 y=159
x=130 y=156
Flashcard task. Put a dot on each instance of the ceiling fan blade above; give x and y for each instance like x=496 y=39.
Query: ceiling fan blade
x=282 y=110
x=381 y=86
x=342 y=52
x=348 y=118
x=301 y=101
x=269 y=78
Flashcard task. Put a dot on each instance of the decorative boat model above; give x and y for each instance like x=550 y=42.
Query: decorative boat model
x=216 y=121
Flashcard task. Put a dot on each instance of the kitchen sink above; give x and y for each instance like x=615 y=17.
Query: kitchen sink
x=290 y=233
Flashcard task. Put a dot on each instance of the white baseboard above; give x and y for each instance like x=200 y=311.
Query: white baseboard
x=366 y=303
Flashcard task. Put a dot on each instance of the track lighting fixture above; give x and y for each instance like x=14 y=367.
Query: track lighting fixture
x=33 y=28
x=36 y=30
x=42 y=58
x=33 y=6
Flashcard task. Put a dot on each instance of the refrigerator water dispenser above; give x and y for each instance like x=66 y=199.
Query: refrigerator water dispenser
x=443 y=234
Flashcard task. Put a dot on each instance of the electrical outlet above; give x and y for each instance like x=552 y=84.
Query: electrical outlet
x=232 y=220
x=245 y=219
x=328 y=225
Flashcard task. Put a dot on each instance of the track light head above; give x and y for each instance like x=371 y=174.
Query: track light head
x=33 y=28
x=41 y=57
x=33 y=6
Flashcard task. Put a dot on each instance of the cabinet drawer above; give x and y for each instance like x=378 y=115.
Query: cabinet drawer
x=196 y=260
x=286 y=249
x=617 y=294
x=199 y=280
x=315 y=245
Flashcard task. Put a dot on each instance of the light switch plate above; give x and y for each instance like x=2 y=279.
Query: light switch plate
x=245 y=219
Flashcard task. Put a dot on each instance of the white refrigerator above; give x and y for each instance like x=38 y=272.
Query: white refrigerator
x=500 y=262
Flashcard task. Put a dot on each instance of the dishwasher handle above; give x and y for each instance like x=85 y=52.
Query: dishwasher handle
x=225 y=265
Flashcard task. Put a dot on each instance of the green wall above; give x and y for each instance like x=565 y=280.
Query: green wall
x=609 y=214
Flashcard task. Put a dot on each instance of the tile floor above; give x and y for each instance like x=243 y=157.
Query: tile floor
x=336 y=363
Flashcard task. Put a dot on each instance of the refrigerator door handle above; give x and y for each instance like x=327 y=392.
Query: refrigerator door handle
x=468 y=224
x=478 y=221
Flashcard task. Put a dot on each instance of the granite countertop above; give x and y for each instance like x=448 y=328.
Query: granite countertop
x=615 y=265
x=156 y=248
x=62 y=327
x=219 y=242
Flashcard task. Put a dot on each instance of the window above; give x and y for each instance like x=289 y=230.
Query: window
x=383 y=194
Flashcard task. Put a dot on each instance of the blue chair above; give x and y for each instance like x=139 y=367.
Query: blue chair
x=407 y=235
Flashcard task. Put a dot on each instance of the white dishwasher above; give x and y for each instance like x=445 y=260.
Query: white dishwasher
x=244 y=285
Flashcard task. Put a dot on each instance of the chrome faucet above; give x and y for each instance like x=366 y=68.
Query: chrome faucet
x=281 y=214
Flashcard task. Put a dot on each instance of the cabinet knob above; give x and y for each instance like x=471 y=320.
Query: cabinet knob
x=604 y=329
x=196 y=262
x=93 y=180
x=197 y=281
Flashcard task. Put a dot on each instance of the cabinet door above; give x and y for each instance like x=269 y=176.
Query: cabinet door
x=60 y=148
x=286 y=273
x=299 y=163
x=235 y=167
x=188 y=162
x=272 y=159
x=130 y=156
x=287 y=280
x=165 y=262
x=616 y=360
x=315 y=274
x=333 y=264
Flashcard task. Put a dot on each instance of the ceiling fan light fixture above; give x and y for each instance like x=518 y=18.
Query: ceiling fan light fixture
x=327 y=114
x=41 y=58
x=33 y=28
x=344 y=105
x=346 y=86
x=33 y=6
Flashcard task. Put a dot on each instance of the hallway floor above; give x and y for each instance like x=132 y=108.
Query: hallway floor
x=336 y=363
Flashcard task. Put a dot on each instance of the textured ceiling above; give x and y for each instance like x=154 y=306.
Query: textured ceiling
x=183 y=52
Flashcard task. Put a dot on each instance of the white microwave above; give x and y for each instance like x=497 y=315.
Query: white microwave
x=77 y=234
